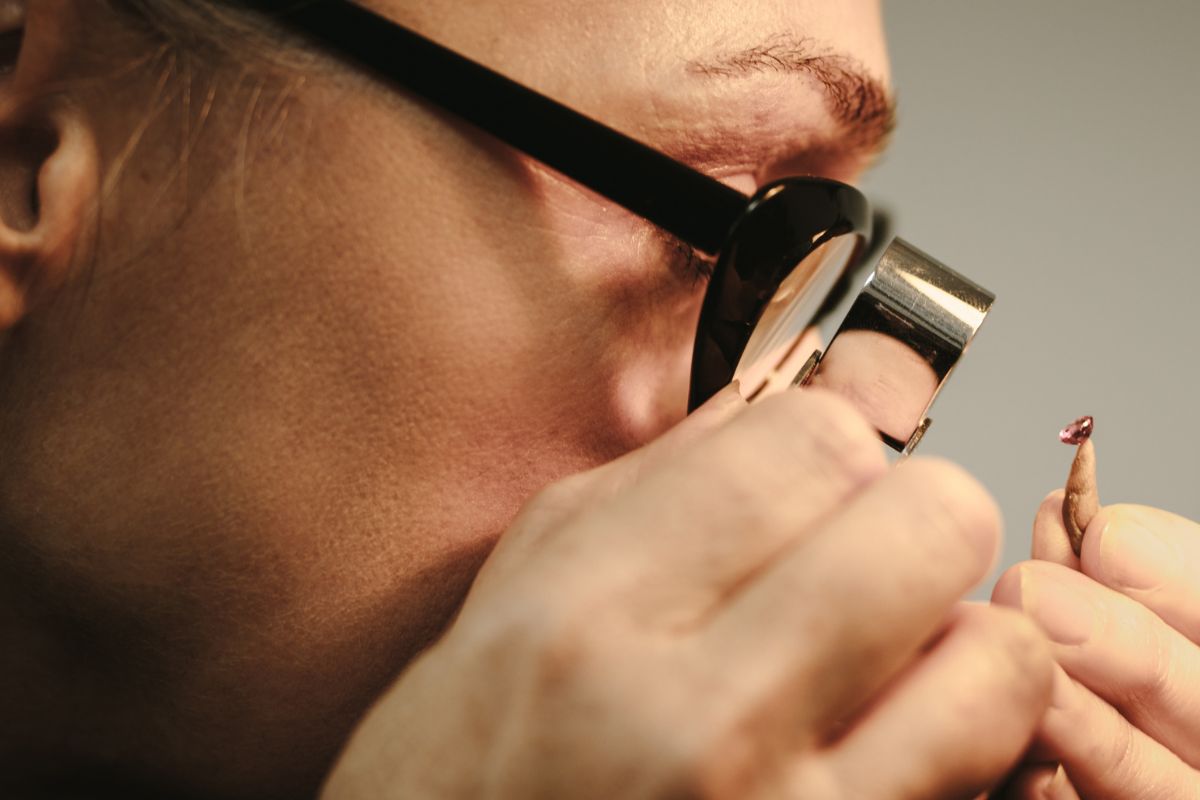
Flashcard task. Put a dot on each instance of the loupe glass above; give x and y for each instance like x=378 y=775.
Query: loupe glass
x=792 y=244
x=773 y=356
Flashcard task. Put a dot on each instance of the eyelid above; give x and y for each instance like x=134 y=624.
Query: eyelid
x=745 y=182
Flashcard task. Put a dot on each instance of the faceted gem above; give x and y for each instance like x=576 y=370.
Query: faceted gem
x=1077 y=432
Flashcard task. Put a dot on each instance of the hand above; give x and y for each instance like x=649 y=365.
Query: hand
x=753 y=606
x=1124 y=721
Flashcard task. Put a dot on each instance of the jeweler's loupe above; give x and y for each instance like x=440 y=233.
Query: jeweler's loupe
x=893 y=352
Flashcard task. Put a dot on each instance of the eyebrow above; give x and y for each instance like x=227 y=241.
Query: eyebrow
x=856 y=99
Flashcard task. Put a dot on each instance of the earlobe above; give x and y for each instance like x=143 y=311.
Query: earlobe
x=48 y=177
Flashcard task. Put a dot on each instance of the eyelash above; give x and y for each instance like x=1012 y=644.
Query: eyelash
x=695 y=263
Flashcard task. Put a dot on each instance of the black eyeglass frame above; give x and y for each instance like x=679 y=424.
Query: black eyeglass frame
x=759 y=240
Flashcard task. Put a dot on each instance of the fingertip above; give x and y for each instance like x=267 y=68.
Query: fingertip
x=1051 y=504
x=1092 y=555
x=1007 y=591
x=1132 y=547
x=1050 y=540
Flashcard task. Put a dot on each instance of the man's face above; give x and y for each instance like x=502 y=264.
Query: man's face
x=310 y=378
x=606 y=304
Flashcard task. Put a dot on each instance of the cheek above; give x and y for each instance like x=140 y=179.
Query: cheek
x=622 y=321
x=556 y=325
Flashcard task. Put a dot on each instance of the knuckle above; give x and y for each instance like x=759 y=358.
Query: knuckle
x=1118 y=751
x=954 y=511
x=559 y=646
x=563 y=653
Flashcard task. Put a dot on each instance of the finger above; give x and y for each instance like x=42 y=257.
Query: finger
x=1151 y=556
x=694 y=526
x=1117 y=648
x=1027 y=783
x=1107 y=757
x=1060 y=786
x=713 y=414
x=1039 y=782
x=958 y=719
x=568 y=496
x=1050 y=540
x=843 y=611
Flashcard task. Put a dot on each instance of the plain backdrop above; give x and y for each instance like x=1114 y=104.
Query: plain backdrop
x=1048 y=150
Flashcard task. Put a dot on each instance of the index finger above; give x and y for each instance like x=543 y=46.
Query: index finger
x=694 y=525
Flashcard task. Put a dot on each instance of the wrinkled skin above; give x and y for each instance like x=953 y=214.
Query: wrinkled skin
x=1124 y=619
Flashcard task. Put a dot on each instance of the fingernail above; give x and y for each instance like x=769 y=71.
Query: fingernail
x=1059 y=787
x=1063 y=611
x=1132 y=554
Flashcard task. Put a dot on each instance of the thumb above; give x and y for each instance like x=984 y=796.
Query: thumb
x=1050 y=540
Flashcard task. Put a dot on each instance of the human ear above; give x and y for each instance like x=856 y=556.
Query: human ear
x=48 y=158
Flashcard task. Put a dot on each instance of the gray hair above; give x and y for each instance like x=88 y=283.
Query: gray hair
x=224 y=29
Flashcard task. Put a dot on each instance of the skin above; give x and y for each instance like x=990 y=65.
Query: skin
x=1081 y=500
x=283 y=354
x=1125 y=621
x=890 y=383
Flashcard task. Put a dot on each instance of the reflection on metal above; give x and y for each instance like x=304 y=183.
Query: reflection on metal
x=917 y=436
x=899 y=342
x=806 y=372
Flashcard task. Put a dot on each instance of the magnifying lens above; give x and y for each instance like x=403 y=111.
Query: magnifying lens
x=779 y=253
x=910 y=324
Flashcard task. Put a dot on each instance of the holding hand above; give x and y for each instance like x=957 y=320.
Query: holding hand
x=1125 y=717
x=753 y=606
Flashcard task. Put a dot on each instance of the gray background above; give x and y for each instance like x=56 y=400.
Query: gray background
x=1048 y=150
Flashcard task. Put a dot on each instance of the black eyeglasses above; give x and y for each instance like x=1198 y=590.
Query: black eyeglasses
x=804 y=230
x=779 y=253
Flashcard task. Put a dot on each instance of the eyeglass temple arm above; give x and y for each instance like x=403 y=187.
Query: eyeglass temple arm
x=692 y=206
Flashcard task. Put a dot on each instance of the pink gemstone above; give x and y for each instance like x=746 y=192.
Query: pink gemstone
x=1077 y=432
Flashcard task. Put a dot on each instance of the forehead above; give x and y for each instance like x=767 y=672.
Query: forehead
x=720 y=85
x=610 y=37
